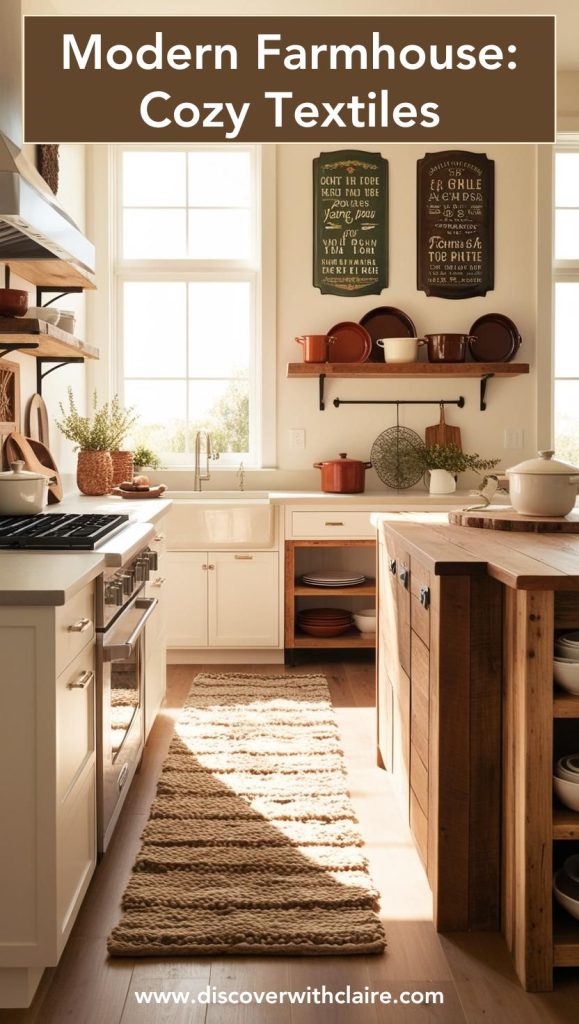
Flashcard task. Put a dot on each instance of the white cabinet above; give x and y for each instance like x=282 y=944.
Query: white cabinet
x=155 y=634
x=47 y=784
x=222 y=599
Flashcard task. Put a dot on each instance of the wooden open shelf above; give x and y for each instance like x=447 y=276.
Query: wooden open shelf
x=51 y=341
x=353 y=638
x=363 y=590
x=565 y=705
x=376 y=371
x=565 y=823
x=565 y=939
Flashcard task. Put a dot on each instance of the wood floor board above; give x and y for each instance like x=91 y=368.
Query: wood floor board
x=474 y=972
x=187 y=988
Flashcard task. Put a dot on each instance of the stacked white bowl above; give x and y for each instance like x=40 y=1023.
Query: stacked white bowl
x=566 y=781
x=366 y=620
x=566 y=885
x=566 y=661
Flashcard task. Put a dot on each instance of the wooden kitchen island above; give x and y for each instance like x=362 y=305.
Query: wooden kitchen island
x=469 y=723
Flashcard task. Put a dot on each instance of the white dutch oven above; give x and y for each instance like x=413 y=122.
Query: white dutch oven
x=543 y=486
x=22 y=493
x=400 y=350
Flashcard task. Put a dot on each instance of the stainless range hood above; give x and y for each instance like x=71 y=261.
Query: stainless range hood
x=38 y=238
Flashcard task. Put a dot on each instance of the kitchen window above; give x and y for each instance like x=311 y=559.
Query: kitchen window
x=190 y=299
x=566 y=303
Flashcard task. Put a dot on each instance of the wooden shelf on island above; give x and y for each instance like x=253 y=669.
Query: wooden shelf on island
x=363 y=590
x=50 y=341
x=378 y=371
x=565 y=823
x=353 y=638
x=565 y=705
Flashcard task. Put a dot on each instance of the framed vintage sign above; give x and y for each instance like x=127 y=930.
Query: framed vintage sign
x=455 y=219
x=350 y=223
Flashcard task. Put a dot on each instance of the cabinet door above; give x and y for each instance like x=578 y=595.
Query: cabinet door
x=186 y=598
x=155 y=668
x=243 y=599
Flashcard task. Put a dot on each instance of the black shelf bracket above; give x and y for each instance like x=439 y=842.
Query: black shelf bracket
x=321 y=383
x=460 y=401
x=7 y=347
x=57 y=293
x=483 y=389
x=57 y=362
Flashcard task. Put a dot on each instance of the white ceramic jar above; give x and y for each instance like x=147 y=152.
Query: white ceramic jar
x=441 y=482
x=543 y=486
x=22 y=493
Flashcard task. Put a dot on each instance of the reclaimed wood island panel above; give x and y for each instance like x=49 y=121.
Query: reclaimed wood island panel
x=489 y=835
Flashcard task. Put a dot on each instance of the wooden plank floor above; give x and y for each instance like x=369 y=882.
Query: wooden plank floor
x=473 y=971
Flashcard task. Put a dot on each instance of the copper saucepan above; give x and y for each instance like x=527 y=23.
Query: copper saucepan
x=343 y=475
x=316 y=347
x=447 y=348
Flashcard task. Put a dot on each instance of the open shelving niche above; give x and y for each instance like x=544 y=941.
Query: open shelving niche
x=565 y=822
x=301 y=555
x=48 y=344
x=402 y=371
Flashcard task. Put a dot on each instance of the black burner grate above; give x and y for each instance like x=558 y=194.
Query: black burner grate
x=58 y=531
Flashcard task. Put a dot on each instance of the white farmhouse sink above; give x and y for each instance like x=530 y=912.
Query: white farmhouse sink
x=220 y=519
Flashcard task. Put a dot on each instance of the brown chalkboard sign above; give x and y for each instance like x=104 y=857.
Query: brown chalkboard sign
x=350 y=223
x=455 y=258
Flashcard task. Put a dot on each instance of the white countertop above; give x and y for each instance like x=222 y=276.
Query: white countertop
x=413 y=498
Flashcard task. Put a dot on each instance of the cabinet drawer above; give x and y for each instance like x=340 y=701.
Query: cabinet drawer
x=333 y=523
x=420 y=593
x=75 y=696
x=74 y=623
x=420 y=699
x=419 y=778
x=419 y=827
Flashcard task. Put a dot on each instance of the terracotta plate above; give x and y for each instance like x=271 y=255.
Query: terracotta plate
x=353 y=344
x=386 y=322
x=497 y=339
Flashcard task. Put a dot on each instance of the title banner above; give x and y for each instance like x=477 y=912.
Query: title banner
x=262 y=79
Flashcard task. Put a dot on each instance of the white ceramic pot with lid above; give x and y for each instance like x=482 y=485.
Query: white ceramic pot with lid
x=543 y=486
x=22 y=493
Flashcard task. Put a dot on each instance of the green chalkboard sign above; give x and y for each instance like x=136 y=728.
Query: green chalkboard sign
x=350 y=223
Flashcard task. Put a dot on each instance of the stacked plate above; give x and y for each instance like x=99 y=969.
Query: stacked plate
x=333 y=578
x=322 y=622
x=566 y=661
x=566 y=885
x=566 y=781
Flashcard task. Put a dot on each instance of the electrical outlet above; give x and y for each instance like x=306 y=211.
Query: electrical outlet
x=297 y=439
x=514 y=437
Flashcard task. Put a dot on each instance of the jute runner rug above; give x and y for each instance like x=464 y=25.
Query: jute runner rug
x=251 y=844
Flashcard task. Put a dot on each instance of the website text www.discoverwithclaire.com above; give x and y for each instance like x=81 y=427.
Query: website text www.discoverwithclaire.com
x=309 y=996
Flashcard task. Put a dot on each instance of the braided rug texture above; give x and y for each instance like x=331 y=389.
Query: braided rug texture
x=251 y=844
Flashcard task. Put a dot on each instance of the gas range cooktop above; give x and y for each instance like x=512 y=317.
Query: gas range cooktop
x=59 y=531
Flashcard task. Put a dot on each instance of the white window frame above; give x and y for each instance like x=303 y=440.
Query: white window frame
x=550 y=273
x=260 y=271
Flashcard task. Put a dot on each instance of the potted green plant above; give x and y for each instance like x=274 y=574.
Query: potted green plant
x=94 y=436
x=121 y=421
x=145 y=458
x=445 y=462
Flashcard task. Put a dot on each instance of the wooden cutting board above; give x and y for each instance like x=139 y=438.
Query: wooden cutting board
x=501 y=518
x=37 y=459
x=441 y=433
x=37 y=420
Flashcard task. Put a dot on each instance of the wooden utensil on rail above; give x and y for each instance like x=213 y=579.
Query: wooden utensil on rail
x=37 y=458
x=441 y=433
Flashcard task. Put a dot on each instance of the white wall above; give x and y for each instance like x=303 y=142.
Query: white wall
x=302 y=309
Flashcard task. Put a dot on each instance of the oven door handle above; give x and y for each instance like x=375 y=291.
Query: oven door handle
x=117 y=652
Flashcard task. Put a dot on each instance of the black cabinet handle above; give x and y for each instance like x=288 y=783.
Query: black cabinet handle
x=404 y=576
x=392 y=566
x=425 y=597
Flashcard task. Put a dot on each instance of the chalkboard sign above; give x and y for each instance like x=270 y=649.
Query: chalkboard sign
x=350 y=223
x=455 y=258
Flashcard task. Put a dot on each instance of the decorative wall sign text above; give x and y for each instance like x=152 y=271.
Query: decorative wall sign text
x=455 y=257
x=350 y=223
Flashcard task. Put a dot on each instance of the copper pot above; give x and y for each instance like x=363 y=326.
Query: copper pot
x=13 y=302
x=447 y=348
x=343 y=475
x=316 y=347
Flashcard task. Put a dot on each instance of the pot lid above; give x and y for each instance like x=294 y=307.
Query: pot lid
x=18 y=473
x=343 y=460
x=545 y=465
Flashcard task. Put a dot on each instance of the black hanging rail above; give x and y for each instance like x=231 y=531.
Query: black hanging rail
x=460 y=402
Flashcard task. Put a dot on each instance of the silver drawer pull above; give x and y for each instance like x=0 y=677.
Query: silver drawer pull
x=333 y=524
x=244 y=558
x=425 y=597
x=404 y=576
x=123 y=776
x=84 y=680
x=392 y=566
x=158 y=582
x=80 y=626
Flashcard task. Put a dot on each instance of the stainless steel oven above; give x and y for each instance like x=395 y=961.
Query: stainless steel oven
x=122 y=614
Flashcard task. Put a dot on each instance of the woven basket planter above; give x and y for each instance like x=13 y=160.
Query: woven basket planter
x=122 y=466
x=94 y=472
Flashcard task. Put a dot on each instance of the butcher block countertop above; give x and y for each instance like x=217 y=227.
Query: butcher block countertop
x=523 y=561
